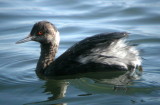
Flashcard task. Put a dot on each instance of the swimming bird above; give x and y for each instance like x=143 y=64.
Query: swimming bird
x=102 y=52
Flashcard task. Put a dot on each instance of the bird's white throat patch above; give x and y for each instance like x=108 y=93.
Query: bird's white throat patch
x=57 y=38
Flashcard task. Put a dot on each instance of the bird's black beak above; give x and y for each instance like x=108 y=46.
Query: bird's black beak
x=28 y=38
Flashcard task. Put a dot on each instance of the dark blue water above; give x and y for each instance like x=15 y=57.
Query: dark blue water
x=76 y=19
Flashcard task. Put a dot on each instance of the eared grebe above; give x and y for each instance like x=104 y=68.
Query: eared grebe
x=101 y=52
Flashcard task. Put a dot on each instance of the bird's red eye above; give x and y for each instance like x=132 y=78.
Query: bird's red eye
x=40 y=33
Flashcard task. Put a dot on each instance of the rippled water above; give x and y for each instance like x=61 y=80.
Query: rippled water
x=76 y=20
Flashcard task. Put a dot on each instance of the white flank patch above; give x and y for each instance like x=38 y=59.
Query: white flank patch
x=121 y=54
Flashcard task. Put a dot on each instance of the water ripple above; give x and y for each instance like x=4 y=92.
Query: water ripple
x=75 y=21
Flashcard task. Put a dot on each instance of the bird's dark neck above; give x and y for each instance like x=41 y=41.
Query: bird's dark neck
x=47 y=56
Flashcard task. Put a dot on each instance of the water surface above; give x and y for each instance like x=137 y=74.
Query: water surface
x=76 y=20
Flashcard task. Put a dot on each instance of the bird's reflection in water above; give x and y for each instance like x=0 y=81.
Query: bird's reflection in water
x=57 y=86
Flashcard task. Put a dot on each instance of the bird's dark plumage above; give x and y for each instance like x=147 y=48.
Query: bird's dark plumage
x=84 y=47
x=101 y=52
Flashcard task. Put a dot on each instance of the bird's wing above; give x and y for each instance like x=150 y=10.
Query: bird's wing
x=69 y=58
x=89 y=43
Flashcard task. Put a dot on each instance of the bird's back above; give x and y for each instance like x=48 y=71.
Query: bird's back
x=102 y=52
